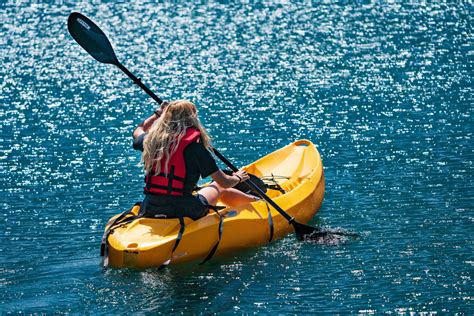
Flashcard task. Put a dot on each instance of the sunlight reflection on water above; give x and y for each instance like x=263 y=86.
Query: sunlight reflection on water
x=384 y=90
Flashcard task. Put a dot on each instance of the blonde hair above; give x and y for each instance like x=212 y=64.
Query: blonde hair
x=167 y=132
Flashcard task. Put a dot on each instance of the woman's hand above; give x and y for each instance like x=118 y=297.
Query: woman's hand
x=144 y=126
x=242 y=175
x=159 y=111
x=229 y=181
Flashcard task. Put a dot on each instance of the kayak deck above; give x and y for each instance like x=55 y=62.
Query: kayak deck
x=296 y=169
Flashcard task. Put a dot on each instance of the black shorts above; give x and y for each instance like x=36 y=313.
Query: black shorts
x=165 y=206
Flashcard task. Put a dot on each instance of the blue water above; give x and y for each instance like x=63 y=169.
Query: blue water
x=383 y=89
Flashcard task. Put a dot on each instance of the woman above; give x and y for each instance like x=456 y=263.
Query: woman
x=176 y=154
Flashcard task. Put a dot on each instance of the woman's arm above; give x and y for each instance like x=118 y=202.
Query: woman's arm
x=144 y=126
x=226 y=181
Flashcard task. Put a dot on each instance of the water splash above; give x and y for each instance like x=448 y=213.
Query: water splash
x=331 y=236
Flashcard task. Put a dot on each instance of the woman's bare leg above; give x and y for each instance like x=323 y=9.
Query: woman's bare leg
x=211 y=193
x=230 y=196
x=233 y=197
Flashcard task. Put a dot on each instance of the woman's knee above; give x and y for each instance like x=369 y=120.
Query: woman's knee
x=211 y=193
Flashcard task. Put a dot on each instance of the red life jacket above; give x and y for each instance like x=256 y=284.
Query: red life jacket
x=170 y=181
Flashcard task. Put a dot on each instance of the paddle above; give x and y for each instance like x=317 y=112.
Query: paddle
x=96 y=43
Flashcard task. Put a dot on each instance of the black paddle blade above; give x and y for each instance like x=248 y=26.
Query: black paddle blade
x=306 y=232
x=91 y=38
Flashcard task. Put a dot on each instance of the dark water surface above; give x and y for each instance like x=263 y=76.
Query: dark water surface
x=383 y=89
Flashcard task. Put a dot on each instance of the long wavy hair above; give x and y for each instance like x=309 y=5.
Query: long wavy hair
x=167 y=132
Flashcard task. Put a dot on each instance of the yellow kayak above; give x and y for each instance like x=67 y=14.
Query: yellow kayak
x=295 y=173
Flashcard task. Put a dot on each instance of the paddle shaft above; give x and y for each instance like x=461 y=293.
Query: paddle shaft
x=139 y=83
x=255 y=188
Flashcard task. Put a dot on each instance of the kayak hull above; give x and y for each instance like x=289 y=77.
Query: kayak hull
x=296 y=168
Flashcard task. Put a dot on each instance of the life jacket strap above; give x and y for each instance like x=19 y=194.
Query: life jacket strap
x=166 y=175
x=167 y=189
x=164 y=183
